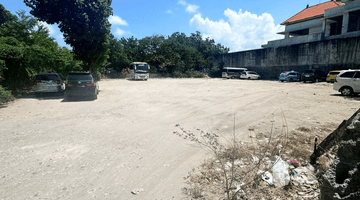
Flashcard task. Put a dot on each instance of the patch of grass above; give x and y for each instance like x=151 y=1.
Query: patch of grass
x=5 y=95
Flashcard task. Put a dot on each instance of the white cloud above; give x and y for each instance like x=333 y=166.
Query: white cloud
x=50 y=28
x=241 y=30
x=116 y=20
x=120 y=32
x=181 y=2
x=169 y=12
x=192 y=8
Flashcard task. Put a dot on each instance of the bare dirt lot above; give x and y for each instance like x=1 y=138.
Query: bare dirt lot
x=123 y=142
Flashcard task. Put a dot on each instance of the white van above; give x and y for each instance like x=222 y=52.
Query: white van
x=232 y=72
x=348 y=82
x=139 y=71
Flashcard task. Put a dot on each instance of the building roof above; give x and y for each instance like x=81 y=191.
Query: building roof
x=312 y=12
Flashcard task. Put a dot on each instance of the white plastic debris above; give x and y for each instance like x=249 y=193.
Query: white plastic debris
x=281 y=175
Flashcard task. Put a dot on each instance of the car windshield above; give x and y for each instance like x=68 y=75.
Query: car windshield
x=79 y=77
x=334 y=73
x=46 y=77
x=142 y=67
x=294 y=74
x=308 y=71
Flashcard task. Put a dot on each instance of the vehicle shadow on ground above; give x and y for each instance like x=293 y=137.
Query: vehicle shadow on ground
x=135 y=80
x=44 y=96
x=354 y=97
x=77 y=99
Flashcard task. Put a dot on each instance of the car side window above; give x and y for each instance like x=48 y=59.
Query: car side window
x=347 y=75
x=357 y=75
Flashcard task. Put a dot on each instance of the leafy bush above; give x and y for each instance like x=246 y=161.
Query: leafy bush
x=178 y=74
x=5 y=95
x=188 y=74
x=194 y=74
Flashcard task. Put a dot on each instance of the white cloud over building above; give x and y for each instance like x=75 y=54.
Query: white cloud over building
x=240 y=31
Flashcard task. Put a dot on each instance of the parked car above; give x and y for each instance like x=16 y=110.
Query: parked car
x=313 y=75
x=249 y=75
x=289 y=76
x=330 y=78
x=81 y=84
x=348 y=82
x=48 y=83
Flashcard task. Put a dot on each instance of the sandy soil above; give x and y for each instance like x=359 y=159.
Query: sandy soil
x=124 y=141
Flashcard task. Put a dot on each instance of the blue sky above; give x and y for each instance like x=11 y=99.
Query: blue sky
x=239 y=25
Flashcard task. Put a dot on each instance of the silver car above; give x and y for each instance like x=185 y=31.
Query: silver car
x=48 y=82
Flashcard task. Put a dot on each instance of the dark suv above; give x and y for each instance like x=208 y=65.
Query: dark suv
x=313 y=75
x=81 y=84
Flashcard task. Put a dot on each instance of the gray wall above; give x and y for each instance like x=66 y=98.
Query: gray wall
x=270 y=62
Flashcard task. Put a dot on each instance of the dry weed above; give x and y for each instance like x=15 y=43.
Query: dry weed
x=233 y=172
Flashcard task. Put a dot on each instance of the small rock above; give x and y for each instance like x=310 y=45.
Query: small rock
x=137 y=191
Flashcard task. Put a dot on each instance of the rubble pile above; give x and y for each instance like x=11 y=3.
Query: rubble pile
x=340 y=179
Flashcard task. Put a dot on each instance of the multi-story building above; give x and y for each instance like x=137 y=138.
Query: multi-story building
x=329 y=20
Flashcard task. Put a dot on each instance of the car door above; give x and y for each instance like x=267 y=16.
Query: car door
x=355 y=82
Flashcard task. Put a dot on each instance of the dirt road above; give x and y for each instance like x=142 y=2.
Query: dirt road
x=123 y=142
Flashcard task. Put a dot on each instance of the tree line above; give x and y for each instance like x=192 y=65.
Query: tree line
x=177 y=55
x=26 y=47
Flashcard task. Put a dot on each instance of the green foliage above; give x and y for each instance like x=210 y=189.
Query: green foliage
x=177 y=54
x=84 y=23
x=5 y=16
x=5 y=95
x=26 y=49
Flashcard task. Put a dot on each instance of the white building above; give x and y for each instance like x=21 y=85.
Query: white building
x=324 y=21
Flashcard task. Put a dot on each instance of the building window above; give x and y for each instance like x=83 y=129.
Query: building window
x=336 y=25
x=354 y=21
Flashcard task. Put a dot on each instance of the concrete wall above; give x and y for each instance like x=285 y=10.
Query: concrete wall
x=304 y=25
x=342 y=53
x=293 y=40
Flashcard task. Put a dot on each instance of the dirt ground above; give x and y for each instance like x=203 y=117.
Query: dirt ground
x=123 y=142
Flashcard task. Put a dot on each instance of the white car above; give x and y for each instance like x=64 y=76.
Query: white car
x=249 y=75
x=348 y=82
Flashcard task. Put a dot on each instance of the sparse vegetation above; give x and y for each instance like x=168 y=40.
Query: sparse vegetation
x=236 y=170
x=5 y=95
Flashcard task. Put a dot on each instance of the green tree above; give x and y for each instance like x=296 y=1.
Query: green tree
x=5 y=16
x=26 y=49
x=84 y=24
x=176 y=54
x=118 y=59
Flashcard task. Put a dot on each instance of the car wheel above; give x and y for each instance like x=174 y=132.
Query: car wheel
x=346 y=91
x=282 y=80
x=290 y=80
x=249 y=78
